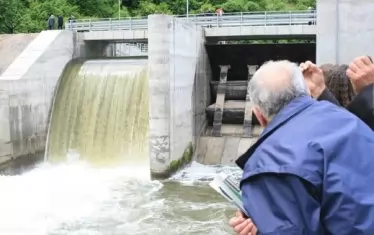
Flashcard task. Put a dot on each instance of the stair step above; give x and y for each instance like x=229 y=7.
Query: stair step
x=233 y=112
x=222 y=150
x=230 y=105
x=235 y=90
x=235 y=130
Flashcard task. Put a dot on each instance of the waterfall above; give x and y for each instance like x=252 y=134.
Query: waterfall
x=100 y=114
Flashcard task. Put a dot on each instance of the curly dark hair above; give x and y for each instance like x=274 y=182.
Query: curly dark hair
x=338 y=83
x=326 y=69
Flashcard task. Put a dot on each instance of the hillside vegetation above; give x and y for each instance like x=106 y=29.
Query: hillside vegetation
x=27 y=16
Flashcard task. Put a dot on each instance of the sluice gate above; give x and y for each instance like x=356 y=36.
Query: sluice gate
x=231 y=126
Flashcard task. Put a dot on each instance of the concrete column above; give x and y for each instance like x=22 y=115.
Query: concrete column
x=345 y=30
x=247 y=123
x=111 y=50
x=220 y=101
x=160 y=41
x=327 y=33
x=6 y=148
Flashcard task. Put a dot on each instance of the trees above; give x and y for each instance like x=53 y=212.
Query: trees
x=31 y=15
x=244 y=5
x=11 y=12
x=36 y=15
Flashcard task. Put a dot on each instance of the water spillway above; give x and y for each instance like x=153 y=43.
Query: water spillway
x=100 y=113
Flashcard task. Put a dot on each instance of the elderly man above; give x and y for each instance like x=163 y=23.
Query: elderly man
x=311 y=170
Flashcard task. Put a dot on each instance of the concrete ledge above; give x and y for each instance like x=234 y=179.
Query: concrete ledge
x=120 y=35
x=243 y=32
x=222 y=150
x=17 y=165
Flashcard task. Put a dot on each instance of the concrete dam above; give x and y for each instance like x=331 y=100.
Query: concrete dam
x=149 y=99
x=186 y=100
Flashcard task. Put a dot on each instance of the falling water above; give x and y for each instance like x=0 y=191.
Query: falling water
x=100 y=113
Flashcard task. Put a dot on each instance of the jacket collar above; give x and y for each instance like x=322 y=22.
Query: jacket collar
x=295 y=107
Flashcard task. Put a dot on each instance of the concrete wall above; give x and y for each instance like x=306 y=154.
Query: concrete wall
x=25 y=101
x=202 y=92
x=345 y=30
x=173 y=50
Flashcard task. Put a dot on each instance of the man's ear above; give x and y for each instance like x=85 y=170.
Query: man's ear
x=260 y=117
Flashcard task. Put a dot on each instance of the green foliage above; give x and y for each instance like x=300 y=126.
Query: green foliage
x=28 y=16
x=97 y=8
x=38 y=12
x=11 y=12
x=243 y=5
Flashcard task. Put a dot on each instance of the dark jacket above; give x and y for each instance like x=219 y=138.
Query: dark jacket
x=310 y=173
x=51 y=21
x=60 y=20
x=362 y=105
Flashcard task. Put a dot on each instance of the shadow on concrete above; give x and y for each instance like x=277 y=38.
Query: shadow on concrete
x=21 y=164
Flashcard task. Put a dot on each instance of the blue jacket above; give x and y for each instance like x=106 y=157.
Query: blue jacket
x=311 y=172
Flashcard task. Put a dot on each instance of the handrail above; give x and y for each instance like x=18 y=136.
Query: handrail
x=265 y=18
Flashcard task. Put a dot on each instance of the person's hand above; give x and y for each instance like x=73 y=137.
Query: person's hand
x=361 y=73
x=314 y=79
x=242 y=225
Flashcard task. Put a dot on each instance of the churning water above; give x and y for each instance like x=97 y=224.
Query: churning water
x=77 y=199
x=96 y=179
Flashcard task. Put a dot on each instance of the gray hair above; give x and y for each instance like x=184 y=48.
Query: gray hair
x=271 y=93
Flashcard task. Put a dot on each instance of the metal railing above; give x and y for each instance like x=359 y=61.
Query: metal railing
x=143 y=47
x=129 y=49
x=268 y=18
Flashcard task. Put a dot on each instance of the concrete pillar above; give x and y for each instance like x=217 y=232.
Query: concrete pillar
x=111 y=50
x=345 y=30
x=6 y=147
x=247 y=123
x=160 y=40
x=220 y=101
x=172 y=61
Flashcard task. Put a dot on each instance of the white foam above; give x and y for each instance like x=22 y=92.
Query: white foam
x=197 y=172
x=39 y=201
